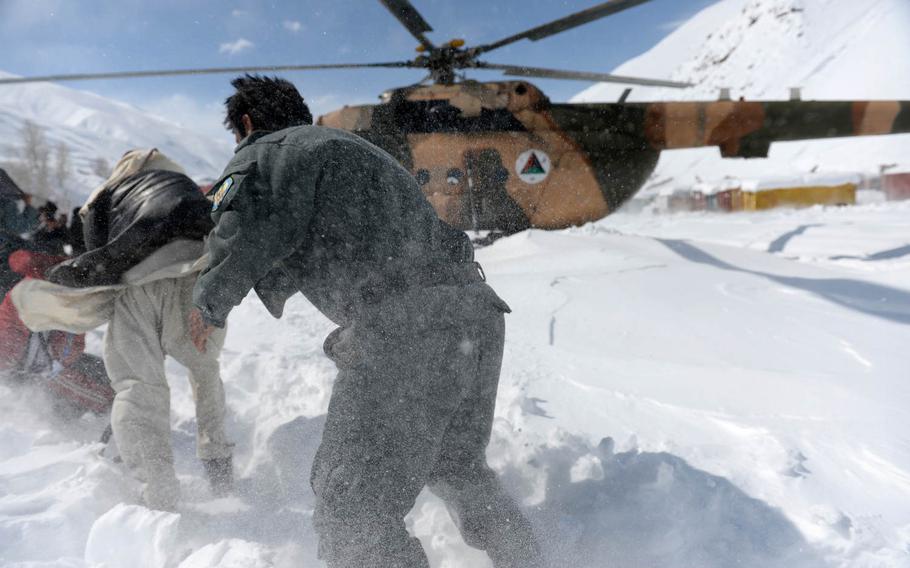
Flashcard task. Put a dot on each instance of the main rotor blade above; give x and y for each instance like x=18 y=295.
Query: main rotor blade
x=557 y=26
x=410 y=18
x=523 y=71
x=202 y=71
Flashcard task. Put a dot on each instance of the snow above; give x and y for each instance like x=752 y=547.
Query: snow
x=93 y=126
x=759 y=49
x=131 y=535
x=708 y=188
x=678 y=390
x=231 y=553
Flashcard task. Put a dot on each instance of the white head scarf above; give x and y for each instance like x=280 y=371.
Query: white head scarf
x=133 y=162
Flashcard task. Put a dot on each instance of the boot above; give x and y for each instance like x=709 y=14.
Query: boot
x=220 y=473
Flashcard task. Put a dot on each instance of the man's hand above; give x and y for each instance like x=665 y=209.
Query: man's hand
x=199 y=330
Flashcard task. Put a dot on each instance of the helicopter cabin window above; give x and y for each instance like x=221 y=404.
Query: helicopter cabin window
x=442 y=116
x=454 y=176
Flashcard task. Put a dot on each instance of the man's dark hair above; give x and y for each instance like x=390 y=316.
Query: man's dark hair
x=49 y=209
x=271 y=102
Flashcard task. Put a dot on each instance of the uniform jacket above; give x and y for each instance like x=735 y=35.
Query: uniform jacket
x=324 y=212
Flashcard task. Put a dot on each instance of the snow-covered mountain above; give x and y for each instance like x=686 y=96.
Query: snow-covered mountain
x=93 y=126
x=759 y=49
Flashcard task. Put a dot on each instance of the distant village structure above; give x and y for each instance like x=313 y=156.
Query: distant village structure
x=896 y=185
x=732 y=194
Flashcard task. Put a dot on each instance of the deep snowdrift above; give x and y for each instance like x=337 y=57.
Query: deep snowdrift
x=687 y=390
x=831 y=49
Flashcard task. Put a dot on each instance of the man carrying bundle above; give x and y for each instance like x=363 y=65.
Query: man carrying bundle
x=144 y=231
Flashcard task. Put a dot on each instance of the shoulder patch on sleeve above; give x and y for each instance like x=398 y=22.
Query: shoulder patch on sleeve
x=222 y=192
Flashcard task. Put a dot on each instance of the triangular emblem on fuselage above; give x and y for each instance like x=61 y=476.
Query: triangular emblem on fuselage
x=533 y=166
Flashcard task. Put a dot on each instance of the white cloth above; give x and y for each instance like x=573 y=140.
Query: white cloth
x=133 y=162
x=44 y=306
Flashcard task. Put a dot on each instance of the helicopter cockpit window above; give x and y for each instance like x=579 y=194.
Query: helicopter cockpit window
x=442 y=116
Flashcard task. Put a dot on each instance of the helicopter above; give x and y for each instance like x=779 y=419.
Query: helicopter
x=500 y=156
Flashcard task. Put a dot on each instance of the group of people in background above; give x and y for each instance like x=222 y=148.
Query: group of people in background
x=300 y=208
x=32 y=240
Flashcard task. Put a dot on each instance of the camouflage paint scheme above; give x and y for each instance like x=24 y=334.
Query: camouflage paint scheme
x=599 y=155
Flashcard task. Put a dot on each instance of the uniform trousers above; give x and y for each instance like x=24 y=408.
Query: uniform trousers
x=413 y=408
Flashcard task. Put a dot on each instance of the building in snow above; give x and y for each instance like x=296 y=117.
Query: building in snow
x=896 y=186
x=733 y=194
x=801 y=191
x=730 y=199
x=673 y=200
x=723 y=195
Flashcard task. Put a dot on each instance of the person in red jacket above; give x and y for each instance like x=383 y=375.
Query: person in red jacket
x=77 y=380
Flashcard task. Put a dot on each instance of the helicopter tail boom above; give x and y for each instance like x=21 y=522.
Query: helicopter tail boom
x=747 y=128
x=742 y=129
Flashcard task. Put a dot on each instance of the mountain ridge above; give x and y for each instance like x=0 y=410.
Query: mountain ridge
x=95 y=127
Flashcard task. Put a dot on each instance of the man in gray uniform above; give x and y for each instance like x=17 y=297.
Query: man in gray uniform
x=419 y=348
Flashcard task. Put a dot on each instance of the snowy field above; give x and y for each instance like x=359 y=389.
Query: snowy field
x=689 y=390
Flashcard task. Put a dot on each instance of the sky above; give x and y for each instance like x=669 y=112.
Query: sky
x=65 y=36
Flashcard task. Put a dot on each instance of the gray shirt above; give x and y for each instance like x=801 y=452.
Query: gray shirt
x=324 y=212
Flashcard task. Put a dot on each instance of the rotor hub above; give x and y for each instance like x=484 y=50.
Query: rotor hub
x=443 y=61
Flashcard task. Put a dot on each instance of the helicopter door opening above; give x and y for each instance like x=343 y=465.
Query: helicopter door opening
x=490 y=206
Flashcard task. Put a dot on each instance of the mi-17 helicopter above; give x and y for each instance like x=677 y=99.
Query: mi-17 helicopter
x=501 y=156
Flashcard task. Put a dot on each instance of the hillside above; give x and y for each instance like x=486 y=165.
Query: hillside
x=93 y=126
x=831 y=49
